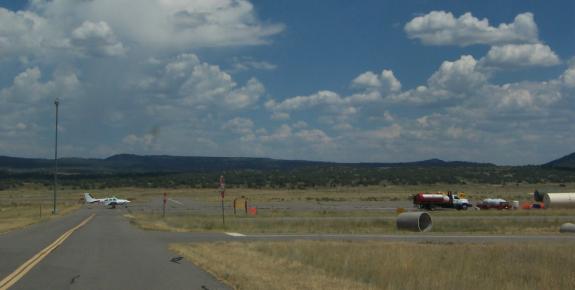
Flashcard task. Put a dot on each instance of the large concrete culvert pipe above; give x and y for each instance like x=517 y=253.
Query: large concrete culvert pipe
x=567 y=228
x=559 y=200
x=414 y=221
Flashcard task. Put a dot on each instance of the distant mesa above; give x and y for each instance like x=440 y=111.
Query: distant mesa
x=567 y=161
x=167 y=163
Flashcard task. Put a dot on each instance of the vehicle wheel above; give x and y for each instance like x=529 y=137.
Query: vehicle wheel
x=464 y=207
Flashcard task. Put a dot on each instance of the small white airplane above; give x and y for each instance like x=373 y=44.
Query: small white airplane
x=108 y=201
x=90 y=199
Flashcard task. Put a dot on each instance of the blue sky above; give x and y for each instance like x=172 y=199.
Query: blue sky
x=370 y=81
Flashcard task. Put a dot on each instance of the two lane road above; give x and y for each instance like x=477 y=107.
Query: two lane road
x=106 y=253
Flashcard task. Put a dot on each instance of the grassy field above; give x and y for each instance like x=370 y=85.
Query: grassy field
x=32 y=203
x=311 y=221
x=340 y=225
x=203 y=223
x=342 y=194
x=337 y=194
x=357 y=221
x=376 y=193
x=20 y=215
x=34 y=193
x=385 y=265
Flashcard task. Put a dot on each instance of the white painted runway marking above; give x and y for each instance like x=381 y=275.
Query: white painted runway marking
x=235 y=234
x=175 y=201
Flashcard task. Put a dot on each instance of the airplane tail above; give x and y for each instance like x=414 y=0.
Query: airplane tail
x=88 y=197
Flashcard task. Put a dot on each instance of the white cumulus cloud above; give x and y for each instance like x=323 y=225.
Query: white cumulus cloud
x=385 y=82
x=453 y=80
x=306 y=102
x=239 y=125
x=458 y=76
x=198 y=84
x=521 y=55
x=442 y=28
x=97 y=38
x=532 y=96
x=247 y=63
x=167 y=24
x=28 y=87
x=568 y=77
x=26 y=33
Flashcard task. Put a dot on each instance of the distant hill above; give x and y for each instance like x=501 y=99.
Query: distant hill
x=567 y=161
x=162 y=171
x=166 y=163
x=425 y=163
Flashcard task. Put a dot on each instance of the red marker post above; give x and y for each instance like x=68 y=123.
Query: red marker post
x=222 y=193
x=164 y=207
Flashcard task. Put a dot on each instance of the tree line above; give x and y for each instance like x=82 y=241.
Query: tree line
x=300 y=178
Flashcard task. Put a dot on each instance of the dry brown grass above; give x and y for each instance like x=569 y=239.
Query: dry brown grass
x=343 y=224
x=391 y=192
x=35 y=193
x=545 y=225
x=32 y=203
x=17 y=216
x=358 y=221
x=385 y=265
x=199 y=223
x=309 y=221
x=363 y=193
x=246 y=268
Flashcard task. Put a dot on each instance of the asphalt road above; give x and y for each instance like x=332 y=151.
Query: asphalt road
x=109 y=253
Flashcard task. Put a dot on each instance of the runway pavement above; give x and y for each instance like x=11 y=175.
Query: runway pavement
x=109 y=253
x=106 y=253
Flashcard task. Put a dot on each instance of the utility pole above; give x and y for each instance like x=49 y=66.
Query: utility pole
x=56 y=103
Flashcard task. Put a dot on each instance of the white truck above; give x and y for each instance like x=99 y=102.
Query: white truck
x=432 y=200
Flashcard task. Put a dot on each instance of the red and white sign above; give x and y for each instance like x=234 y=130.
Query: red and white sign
x=222 y=186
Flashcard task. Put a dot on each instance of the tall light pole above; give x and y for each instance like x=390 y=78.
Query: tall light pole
x=56 y=103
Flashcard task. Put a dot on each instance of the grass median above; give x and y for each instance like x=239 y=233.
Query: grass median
x=385 y=265
x=384 y=224
x=198 y=223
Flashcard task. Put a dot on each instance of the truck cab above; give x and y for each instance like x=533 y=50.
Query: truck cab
x=460 y=203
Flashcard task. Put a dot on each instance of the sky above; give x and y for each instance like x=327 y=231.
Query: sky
x=345 y=81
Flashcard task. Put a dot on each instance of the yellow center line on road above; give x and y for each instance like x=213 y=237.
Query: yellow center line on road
x=28 y=265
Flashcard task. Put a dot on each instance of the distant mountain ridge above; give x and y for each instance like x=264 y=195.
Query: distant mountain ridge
x=567 y=161
x=167 y=163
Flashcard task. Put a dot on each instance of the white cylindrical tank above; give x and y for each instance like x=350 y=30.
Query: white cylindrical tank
x=434 y=197
x=559 y=200
x=494 y=201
